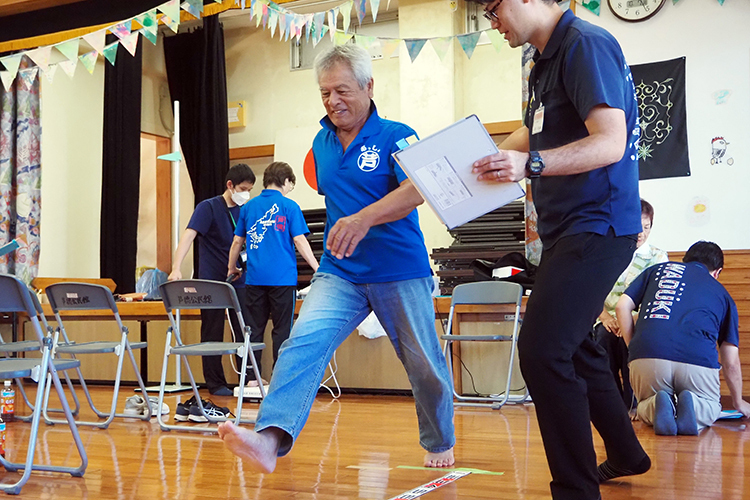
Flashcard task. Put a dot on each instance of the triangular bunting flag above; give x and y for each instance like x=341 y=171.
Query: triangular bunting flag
x=40 y=56
x=89 y=60
x=374 y=6
x=323 y=31
x=592 y=5
x=414 y=46
x=130 y=42
x=7 y=78
x=11 y=64
x=273 y=19
x=173 y=156
x=308 y=26
x=332 y=23
x=366 y=41
x=171 y=9
x=469 y=42
x=257 y=12
x=69 y=49
x=69 y=67
x=389 y=45
x=341 y=38
x=96 y=40
x=317 y=27
x=121 y=30
x=193 y=7
x=346 y=13
x=51 y=70
x=441 y=46
x=496 y=38
x=28 y=76
x=151 y=37
x=721 y=2
x=265 y=15
x=360 y=4
x=148 y=21
x=110 y=52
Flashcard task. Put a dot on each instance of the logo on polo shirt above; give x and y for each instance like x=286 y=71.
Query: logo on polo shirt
x=369 y=159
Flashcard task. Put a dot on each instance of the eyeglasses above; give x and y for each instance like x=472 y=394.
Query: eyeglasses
x=490 y=14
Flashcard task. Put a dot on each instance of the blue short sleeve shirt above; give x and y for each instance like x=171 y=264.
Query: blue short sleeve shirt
x=214 y=225
x=269 y=222
x=582 y=66
x=684 y=314
x=359 y=177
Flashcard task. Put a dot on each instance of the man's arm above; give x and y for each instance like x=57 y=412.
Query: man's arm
x=303 y=247
x=624 y=311
x=346 y=234
x=234 y=254
x=604 y=145
x=179 y=255
x=730 y=363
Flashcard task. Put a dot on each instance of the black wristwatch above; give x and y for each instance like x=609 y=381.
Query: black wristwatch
x=534 y=165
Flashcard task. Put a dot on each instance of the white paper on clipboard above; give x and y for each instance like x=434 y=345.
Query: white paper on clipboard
x=440 y=165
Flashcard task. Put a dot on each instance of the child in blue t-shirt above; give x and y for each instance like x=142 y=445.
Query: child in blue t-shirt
x=271 y=226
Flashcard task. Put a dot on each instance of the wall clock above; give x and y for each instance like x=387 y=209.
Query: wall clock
x=635 y=10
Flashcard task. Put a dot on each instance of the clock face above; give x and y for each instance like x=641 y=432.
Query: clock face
x=635 y=10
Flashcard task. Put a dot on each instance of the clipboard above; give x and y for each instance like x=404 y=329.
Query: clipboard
x=440 y=165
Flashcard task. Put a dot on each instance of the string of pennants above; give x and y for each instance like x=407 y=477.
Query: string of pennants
x=66 y=55
x=86 y=49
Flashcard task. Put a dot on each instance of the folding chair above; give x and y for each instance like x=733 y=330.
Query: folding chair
x=8 y=348
x=15 y=297
x=204 y=294
x=90 y=297
x=485 y=292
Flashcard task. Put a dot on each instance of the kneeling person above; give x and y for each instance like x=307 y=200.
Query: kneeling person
x=674 y=365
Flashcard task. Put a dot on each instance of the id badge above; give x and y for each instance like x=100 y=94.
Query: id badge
x=538 y=120
x=243 y=257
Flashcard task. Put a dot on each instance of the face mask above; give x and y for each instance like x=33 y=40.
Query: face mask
x=240 y=198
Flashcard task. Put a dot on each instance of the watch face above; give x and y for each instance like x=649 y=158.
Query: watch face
x=635 y=10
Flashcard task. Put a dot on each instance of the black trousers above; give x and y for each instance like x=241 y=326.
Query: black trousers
x=567 y=372
x=212 y=330
x=617 y=353
x=276 y=302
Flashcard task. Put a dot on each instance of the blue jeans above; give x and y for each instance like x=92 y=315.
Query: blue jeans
x=334 y=307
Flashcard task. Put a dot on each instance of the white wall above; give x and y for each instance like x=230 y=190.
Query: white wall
x=716 y=43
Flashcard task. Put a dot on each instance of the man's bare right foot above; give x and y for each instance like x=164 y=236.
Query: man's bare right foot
x=259 y=449
x=444 y=459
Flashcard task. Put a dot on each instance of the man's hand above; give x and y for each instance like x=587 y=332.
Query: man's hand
x=610 y=323
x=174 y=275
x=504 y=166
x=346 y=234
x=233 y=272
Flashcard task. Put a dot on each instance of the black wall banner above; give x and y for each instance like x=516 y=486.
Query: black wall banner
x=663 y=147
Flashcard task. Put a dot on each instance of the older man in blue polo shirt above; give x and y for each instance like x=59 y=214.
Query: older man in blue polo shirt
x=579 y=147
x=375 y=260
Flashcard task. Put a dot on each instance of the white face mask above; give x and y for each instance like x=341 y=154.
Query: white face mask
x=240 y=198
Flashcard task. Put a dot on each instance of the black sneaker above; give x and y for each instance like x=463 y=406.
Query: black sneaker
x=182 y=413
x=215 y=412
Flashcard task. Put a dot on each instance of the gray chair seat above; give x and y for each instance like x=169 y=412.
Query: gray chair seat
x=95 y=347
x=214 y=348
x=16 y=368
x=22 y=346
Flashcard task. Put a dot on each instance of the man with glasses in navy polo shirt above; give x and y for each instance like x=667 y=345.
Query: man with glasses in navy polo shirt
x=375 y=260
x=579 y=147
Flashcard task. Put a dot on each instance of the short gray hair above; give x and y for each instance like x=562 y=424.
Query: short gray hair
x=354 y=56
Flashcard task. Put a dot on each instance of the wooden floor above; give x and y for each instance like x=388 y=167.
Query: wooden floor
x=365 y=447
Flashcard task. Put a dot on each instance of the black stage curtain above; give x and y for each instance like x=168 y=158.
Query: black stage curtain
x=121 y=168
x=70 y=16
x=196 y=71
x=663 y=145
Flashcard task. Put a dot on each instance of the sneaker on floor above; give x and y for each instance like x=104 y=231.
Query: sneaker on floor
x=215 y=412
x=154 y=402
x=687 y=425
x=182 y=413
x=665 y=423
x=134 y=406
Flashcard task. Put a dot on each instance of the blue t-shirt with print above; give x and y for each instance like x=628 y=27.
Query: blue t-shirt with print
x=269 y=222
x=685 y=313
x=582 y=66
x=214 y=226
x=353 y=179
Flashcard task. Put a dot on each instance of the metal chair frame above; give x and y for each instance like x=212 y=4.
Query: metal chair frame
x=15 y=297
x=485 y=292
x=204 y=294
x=70 y=296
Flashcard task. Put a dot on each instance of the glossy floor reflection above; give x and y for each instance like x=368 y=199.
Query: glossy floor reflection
x=366 y=447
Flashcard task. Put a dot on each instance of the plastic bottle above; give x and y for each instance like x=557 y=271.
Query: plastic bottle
x=8 y=398
x=2 y=438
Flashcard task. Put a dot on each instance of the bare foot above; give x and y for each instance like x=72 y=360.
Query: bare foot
x=444 y=459
x=257 y=448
